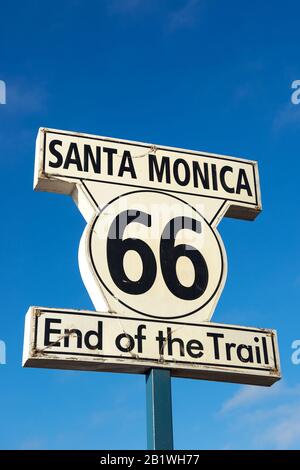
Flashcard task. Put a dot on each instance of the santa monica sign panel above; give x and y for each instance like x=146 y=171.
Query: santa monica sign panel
x=66 y=155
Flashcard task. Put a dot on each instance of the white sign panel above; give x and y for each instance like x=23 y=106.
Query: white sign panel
x=74 y=339
x=74 y=156
x=151 y=248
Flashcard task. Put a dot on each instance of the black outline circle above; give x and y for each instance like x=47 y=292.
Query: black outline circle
x=91 y=231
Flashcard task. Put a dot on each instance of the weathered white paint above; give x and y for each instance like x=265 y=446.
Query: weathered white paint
x=97 y=345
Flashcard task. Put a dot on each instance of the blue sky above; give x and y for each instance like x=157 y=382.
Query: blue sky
x=206 y=75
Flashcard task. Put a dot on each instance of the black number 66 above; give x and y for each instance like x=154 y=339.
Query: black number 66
x=169 y=254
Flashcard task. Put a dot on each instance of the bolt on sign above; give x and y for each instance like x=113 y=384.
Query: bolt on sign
x=152 y=261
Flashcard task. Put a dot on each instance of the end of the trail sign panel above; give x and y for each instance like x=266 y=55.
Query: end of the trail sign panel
x=82 y=340
x=151 y=253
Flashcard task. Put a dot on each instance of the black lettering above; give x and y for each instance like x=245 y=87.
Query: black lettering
x=171 y=341
x=90 y=157
x=257 y=351
x=55 y=152
x=97 y=334
x=162 y=171
x=243 y=183
x=248 y=349
x=216 y=337
x=197 y=173
x=194 y=348
x=49 y=331
x=130 y=342
x=186 y=178
x=265 y=350
x=140 y=337
x=68 y=333
x=161 y=342
x=224 y=170
x=229 y=347
x=73 y=159
x=214 y=176
x=110 y=153
x=127 y=165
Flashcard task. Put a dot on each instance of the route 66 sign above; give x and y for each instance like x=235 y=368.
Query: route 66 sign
x=152 y=260
x=150 y=248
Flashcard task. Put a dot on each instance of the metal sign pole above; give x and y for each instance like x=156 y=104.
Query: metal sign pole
x=159 y=410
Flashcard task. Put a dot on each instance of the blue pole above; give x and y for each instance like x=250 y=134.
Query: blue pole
x=159 y=410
